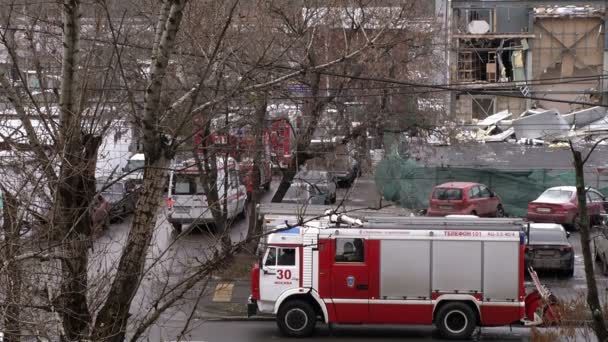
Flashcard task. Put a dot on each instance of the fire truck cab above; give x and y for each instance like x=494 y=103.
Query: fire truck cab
x=456 y=273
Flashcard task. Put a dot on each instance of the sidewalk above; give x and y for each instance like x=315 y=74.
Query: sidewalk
x=227 y=299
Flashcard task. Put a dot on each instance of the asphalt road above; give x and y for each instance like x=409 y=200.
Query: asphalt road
x=267 y=331
x=570 y=288
x=170 y=256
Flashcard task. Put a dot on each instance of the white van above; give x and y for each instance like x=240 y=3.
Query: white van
x=187 y=203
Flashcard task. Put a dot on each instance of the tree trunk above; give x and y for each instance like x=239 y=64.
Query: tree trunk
x=111 y=321
x=75 y=188
x=599 y=325
x=259 y=120
x=288 y=174
x=12 y=278
x=207 y=169
x=75 y=194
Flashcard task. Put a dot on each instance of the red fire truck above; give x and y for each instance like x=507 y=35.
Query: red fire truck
x=238 y=142
x=282 y=141
x=457 y=273
x=284 y=126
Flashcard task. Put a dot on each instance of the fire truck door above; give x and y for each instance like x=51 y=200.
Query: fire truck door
x=279 y=272
x=350 y=280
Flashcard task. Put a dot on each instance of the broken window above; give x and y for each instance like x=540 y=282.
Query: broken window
x=474 y=20
x=479 y=14
x=491 y=60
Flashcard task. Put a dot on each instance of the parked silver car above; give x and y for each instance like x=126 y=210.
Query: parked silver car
x=312 y=187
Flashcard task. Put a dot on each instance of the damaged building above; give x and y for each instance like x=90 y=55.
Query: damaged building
x=514 y=56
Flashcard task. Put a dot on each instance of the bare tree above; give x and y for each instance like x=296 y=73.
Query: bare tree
x=198 y=58
x=344 y=28
x=584 y=224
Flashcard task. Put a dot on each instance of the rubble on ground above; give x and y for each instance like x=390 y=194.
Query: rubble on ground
x=541 y=127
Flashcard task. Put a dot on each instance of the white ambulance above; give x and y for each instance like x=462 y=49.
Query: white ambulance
x=456 y=273
x=187 y=202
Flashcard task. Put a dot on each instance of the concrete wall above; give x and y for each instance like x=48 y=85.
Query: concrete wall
x=567 y=47
x=464 y=108
x=514 y=105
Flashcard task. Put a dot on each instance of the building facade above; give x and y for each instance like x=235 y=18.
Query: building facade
x=506 y=55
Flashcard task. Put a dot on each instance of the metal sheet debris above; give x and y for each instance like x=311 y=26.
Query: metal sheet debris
x=547 y=125
x=495 y=118
x=585 y=117
x=500 y=136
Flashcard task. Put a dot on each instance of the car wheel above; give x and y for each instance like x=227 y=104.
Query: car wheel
x=177 y=227
x=267 y=186
x=474 y=213
x=243 y=214
x=123 y=214
x=456 y=321
x=106 y=222
x=296 y=318
x=500 y=211
x=574 y=225
x=569 y=273
x=333 y=199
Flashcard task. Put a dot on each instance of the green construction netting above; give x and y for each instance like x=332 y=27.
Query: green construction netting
x=409 y=184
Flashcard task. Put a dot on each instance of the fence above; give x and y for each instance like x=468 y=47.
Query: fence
x=409 y=184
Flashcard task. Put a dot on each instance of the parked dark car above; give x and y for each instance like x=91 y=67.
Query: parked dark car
x=122 y=197
x=464 y=198
x=559 y=205
x=548 y=248
x=312 y=187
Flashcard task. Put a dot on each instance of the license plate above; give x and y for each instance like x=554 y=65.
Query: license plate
x=546 y=253
x=543 y=210
x=546 y=263
x=445 y=207
x=182 y=209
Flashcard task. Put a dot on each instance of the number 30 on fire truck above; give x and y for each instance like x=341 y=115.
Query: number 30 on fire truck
x=456 y=273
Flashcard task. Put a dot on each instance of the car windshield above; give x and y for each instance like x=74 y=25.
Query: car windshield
x=105 y=188
x=447 y=194
x=300 y=192
x=548 y=236
x=312 y=177
x=133 y=165
x=115 y=188
x=184 y=184
x=555 y=195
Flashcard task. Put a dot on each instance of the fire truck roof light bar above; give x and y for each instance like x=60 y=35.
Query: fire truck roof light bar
x=341 y=218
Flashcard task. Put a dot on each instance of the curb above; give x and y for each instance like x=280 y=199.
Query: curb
x=239 y=319
x=217 y=278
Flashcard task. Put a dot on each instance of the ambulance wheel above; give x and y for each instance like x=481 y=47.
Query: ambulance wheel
x=456 y=321
x=296 y=318
x=177 y=227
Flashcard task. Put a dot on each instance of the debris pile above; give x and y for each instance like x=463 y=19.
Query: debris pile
x=543 y=126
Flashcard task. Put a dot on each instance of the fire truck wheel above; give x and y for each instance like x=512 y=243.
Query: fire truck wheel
x=456 y=321
x=296 y=318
